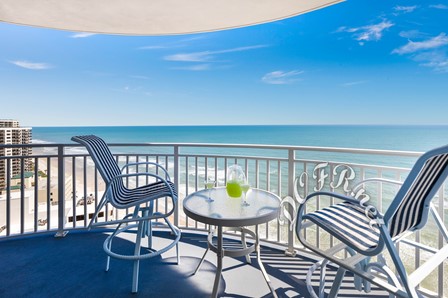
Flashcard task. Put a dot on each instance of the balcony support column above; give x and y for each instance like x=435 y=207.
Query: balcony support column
x=61 y=193
x=291 y=176
x=176 y=182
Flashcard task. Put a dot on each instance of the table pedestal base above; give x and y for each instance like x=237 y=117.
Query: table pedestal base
x=244 y=251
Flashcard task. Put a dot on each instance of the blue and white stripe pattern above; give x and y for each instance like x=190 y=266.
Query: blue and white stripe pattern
x=119 y=195
x=410 y=211
x=347 y=222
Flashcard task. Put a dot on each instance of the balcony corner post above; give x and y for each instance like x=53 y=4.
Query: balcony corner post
x=176 y=182
x=61 y=193
x=290 y=251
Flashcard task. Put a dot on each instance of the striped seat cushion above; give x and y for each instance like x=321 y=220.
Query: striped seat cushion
x=348 y=223
x=101 y=155
x=410 y=212
x=123 y=197
x=120 y=196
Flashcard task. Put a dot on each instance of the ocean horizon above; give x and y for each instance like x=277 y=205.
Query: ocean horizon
x=381 y=137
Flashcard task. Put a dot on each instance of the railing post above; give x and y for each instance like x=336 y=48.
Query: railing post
x=22 y=196
x=61 y=193
x=176 y=183
x=8 y=196
x=291 y=176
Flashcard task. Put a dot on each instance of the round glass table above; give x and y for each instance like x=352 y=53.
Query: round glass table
x=224 y=211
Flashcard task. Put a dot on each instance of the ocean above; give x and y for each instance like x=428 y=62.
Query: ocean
x=401 y=138
x=406 y=138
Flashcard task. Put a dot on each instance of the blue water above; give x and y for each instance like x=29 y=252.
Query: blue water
x=408 y=138
x=403 y=138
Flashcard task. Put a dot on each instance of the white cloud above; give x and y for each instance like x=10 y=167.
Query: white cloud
x=198 y=67
x=134 y=90
x=31 y=65
x=207 y=55
x=280 y=77
x=405 y=9
x=432 y=43
x=439 y=6
x=412 y=34
x=154 y=47
x=431 y=52
x=348 y=84
x=82 y=35
x=369 y=32
x=438 y=61
x=175 y=44
x=140 y=77
x=190 y=57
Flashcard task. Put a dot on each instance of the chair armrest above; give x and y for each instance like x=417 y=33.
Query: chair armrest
x=376 y=218
x=147 y=163
x=377 y=215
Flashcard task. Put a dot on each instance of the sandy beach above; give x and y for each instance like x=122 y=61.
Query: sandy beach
x=88 y=186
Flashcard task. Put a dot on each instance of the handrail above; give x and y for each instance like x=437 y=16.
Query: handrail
x=273 y=170
x=244 y=146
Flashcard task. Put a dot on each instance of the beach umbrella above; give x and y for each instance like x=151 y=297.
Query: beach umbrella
x=152 y=17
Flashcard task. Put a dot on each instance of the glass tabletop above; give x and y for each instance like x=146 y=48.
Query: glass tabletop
x=230 y=212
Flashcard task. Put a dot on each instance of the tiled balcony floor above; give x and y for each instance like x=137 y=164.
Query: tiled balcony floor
x=44 y=266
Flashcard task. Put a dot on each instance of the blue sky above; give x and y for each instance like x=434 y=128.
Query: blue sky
x=358 y=62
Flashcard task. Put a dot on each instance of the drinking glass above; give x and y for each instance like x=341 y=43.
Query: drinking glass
x=244 y=188
x=209 y=184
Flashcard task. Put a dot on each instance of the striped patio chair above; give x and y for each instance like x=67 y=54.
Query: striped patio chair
x=140 y=198
x=365 y=234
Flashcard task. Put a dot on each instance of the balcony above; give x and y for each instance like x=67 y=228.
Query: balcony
x=66 y=187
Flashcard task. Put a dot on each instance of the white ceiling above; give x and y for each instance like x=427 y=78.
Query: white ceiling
x=152 y=17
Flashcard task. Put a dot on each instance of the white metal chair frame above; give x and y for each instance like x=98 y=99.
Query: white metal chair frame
x=358 y=261
x=143 y=217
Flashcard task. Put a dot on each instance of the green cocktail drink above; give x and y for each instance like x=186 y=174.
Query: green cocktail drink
x=233 y=189
x=209 y=184
x=245 y=187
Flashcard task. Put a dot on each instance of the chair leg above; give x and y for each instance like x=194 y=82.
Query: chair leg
x=107 y=263
x=397 y=262
x=323 y=267
x=177 y=253
x=173 y=230
x=148 y=211
x=360 y=283
x=149 y=233
x=109 y=247
x=337 y=282
x=403 y=275
x=323 y=274
x=108 y=260
x=138 y=242
x=100 y=205
x=135 y=276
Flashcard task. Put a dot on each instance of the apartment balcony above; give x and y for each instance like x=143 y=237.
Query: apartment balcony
x=66 y=188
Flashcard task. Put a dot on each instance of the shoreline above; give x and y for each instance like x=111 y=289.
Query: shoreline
x=87 y=190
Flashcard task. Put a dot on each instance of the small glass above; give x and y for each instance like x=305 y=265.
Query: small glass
x=209 y=184
x=245 y=186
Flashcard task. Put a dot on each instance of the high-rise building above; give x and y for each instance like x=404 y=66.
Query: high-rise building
x=11 y=134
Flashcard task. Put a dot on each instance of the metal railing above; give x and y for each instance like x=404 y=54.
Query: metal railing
x=63 y=188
